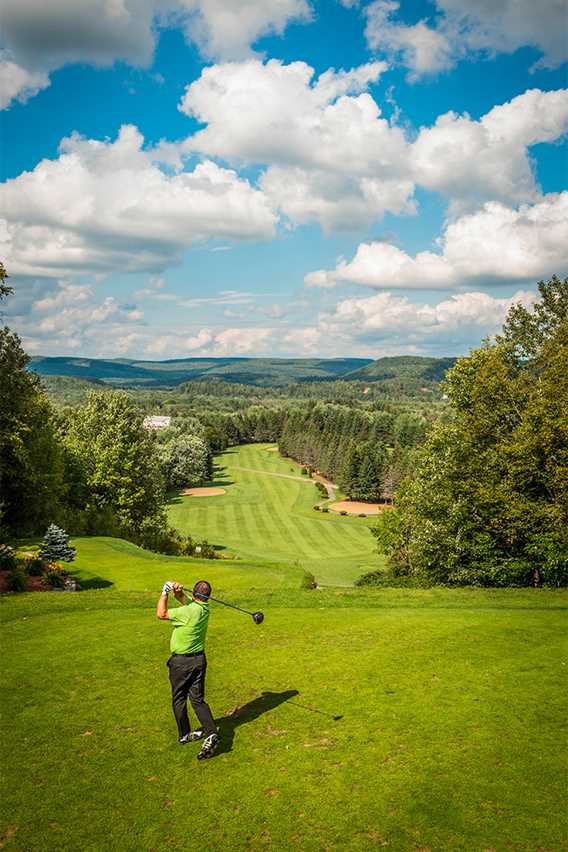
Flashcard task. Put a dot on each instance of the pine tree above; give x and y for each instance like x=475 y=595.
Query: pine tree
x=55 y=546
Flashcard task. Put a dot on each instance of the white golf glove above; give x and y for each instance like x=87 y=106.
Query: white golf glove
x=168 y=587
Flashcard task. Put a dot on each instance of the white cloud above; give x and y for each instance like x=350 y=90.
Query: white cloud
x=271 y=112
x=471 y=161
x=422 y=49
x=505 y=25
x=392 y=323
x=465 y=27
x=17 y=83
x=40 y=37
x=242 y=341
x=495 y=245
x=226 y=28
x=106 y=205
x=69 y=317
x=331 y=157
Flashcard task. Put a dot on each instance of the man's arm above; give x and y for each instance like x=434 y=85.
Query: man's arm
x=162 y=606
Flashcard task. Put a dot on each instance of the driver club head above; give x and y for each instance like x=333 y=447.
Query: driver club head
x=258 y=617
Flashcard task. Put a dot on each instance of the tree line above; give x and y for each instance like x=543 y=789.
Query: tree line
x=487 y=502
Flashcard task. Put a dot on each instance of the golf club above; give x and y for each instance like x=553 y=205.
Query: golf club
x=257 y=617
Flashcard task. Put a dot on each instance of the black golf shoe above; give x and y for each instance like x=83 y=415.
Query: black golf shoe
x=190 y=738
x=208 y=748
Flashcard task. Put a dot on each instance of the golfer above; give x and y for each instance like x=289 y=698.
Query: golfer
x=187 y=663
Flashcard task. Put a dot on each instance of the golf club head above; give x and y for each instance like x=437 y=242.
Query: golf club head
x=258 y=617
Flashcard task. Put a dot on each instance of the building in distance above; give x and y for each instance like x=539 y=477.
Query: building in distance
x=156 y=422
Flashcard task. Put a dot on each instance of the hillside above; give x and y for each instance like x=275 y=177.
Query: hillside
x=252 y=371
x=404 y=373
x=405 y=369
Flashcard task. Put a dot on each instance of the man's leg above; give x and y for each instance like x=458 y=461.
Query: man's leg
x=197 y=697
x=180 y=674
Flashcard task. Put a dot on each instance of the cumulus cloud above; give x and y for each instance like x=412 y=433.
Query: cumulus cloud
x=331 y=157
x=226 y=28
x=465 y=27
x=391 y=322
x=39 y=37
x=105 y=205
x=421 y=48
x=495 y=245
x=470 y=161
x=72 y=317
x=17 y=83
x=69 y=317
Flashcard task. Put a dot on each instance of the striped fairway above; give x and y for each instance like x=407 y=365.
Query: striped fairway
x=266 y=514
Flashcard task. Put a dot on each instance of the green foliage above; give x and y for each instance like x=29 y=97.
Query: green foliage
x=7 y=558
x=489 y=500
x=31 y=462
x=113 y=464
x=34 y=567
x=17 y=580
x=386 y=579
x=5 y=289
x=55 y=546
x=185 y=460
x=54 y=578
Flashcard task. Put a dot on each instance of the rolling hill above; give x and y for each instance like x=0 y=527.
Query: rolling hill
x=398 y=372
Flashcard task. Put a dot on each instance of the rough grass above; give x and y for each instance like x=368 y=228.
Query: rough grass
x=267 y=517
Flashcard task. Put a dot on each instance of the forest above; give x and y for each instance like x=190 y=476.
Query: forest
x=477 y=472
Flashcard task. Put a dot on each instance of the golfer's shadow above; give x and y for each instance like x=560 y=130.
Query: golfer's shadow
x=248 y=713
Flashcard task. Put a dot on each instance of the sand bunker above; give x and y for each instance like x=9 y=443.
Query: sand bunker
x=353 y=508
x=202 y=492
x=272 y=449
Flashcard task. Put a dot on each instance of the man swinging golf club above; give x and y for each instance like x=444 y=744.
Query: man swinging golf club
x=187 y=663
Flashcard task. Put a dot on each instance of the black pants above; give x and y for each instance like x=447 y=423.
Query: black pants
x=187 y=677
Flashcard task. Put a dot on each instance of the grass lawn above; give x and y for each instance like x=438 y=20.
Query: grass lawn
x=451 y=736
x=267 y=517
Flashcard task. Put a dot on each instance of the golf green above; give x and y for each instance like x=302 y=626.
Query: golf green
x=350 y=719
x=267 y=514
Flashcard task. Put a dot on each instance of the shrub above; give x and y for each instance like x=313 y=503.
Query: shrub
x=54 y=578
x=317 y=508
x=361 y=515
x=34 y=567
x=325 y=509
x=55 y=545
x=205 y=550
x=17 y=580
x=308 y=581
x=186 y=546
x=304 y=471
x=7 y=558
x=343 y=512
x=389 y=580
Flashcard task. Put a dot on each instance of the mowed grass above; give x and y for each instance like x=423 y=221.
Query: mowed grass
x=451 y=737
x=271 y=518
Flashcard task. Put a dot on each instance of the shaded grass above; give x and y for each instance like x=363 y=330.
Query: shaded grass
x=267 y=517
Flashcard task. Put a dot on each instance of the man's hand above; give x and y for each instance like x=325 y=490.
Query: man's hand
x=169 y=587
x=179 y=592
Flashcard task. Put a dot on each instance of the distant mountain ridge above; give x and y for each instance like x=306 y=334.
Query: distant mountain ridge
x=262 y=372
x=124 y=372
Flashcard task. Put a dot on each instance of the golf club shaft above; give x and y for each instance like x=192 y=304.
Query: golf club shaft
x=211 y=598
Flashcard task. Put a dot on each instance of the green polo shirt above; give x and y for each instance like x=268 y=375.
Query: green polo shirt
x=190 y=626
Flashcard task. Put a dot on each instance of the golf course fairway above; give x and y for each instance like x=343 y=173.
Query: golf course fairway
x=267 y=514
x=451 y=707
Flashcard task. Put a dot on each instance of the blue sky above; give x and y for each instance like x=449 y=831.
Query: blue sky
x=212 y=177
